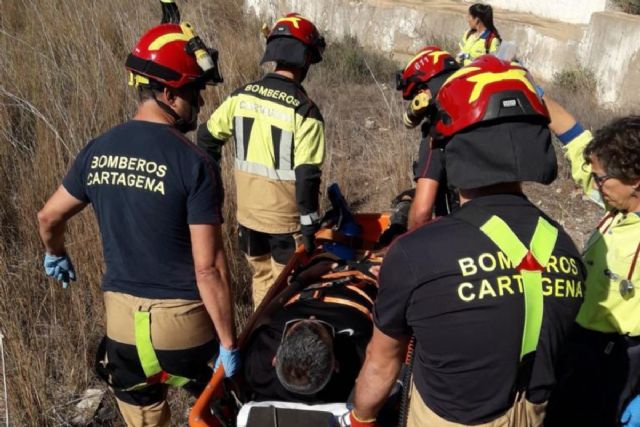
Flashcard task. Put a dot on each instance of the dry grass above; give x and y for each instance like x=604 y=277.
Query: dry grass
x=62 y=82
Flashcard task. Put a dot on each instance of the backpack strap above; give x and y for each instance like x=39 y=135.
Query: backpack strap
x=488 y=41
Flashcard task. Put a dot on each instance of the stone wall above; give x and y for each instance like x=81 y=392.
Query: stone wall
x=609 y=45
x=571 y=11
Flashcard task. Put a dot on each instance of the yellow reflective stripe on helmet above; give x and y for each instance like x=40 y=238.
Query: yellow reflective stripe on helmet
x=483 y=79
x=461 y=72
x=168 y=38
x=293 y=19
x=137 y=79
x=542 y=244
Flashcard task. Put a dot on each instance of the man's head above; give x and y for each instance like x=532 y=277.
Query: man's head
x=494 y=126
x=427 y=70
x=614 y=155
x=294 y=43
x=305 y=361
x=170 y=65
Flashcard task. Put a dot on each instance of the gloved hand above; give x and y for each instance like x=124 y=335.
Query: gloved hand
x=356 y=422
x=631 y=415
x=60 y=268
x=309 y=237
x=230 y=359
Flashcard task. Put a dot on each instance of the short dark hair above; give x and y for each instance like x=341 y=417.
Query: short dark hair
x=147 y=92
x=617 y=148
x=304 y=360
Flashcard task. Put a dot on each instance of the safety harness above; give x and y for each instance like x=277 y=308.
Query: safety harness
x=146 y=354
x=358 y=288
x=530 y=263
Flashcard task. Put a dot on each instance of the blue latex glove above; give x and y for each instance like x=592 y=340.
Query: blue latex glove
x=60 y=268
x=230 y=360
x=631 y=415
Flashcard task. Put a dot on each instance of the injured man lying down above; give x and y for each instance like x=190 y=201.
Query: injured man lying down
x=313 y=347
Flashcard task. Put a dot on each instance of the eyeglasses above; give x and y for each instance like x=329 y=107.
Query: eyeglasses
x=600 y=179
x=291 y=323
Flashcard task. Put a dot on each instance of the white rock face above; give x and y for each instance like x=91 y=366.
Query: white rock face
x=609 y=46
x=571 y=11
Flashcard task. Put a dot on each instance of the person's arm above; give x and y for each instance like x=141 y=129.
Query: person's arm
x=53 y=217
x=574 y=139
x=423 y=202
x=212 y=135
x=308 y=156
x=379 y=372
x=212 y=279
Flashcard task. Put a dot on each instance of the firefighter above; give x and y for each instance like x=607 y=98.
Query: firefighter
x=419 y=82
x=482 y=37
x=490 y=291
x=157 y=199
x=603 y=361
x=279 y=148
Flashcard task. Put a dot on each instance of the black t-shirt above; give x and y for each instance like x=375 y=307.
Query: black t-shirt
x=353 y=332
x=430 y=163
x=147 y=183
x=449 y=285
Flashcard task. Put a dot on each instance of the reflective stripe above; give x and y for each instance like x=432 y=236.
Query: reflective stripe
x=286 y=139
x=309 y=219
x=239 y=135
x=542 y=244
x=147 y=355
x=262 y=170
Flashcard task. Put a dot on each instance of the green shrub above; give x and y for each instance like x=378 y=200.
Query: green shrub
x=628 y=6
x=346 y=61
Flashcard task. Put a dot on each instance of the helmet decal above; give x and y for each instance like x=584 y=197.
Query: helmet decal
x=484 y=79
x=158 y=43
x=488 y=89
x=429 y=62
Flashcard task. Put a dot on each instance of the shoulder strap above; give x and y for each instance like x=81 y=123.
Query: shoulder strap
x=488 y=41
x=528 y=262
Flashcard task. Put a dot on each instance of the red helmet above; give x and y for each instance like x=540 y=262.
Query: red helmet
x=167 y=54
x=295 y=26
x=487 y=89
x=429 y=62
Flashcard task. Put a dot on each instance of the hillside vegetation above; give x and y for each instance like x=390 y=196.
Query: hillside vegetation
x=62 y=82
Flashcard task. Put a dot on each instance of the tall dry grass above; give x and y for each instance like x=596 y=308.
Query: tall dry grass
x=62 y=82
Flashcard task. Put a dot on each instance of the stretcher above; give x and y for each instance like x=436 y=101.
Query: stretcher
x=215 y=400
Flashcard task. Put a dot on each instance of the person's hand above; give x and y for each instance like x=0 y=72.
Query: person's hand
x=308 y=237
x=230 y=359
x=60 y=268
x=631 y=415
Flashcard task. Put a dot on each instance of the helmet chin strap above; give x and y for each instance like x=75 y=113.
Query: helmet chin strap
x=179 y=123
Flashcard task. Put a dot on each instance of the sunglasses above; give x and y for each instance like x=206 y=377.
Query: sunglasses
x=600 y=179
x=291 y=324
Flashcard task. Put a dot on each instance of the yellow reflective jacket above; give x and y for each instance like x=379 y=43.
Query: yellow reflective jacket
x=474 y=44
x=279 y=148
x=609 y=257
